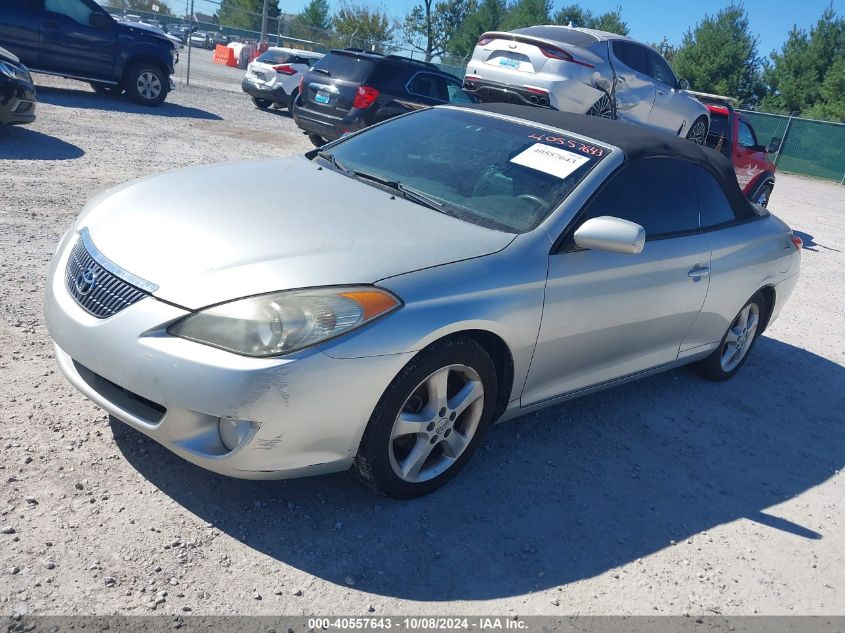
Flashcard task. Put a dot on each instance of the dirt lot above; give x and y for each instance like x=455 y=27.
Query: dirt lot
x=667 y=496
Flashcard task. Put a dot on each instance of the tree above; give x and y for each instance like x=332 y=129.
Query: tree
x=524 y=13
x=430 y=27
x=487 y=15
x=245 y=14
x=362 y=24
x=610 y=21
x=313 y=20
x=804 y=75
x=667 y=50
x=720 y=55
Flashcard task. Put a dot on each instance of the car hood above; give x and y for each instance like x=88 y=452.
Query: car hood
x=145 y=30
x=209 y=234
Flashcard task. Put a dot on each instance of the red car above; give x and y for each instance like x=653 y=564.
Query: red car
x=732 y=134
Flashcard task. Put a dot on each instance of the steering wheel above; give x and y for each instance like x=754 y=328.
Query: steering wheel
x=530 y=197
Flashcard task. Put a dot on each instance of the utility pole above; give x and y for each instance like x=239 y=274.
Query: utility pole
x=264 y=13
x=190 y=32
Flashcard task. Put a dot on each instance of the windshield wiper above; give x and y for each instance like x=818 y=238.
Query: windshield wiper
x=407 y=192
x=329 y=158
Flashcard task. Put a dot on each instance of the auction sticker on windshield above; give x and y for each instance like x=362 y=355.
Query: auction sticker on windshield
x=555 y=161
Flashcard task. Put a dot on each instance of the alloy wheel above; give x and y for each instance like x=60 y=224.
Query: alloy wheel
x=698 y=133
x=602 y=108
x=149 y=85
x=436 y=423
x=740 y=337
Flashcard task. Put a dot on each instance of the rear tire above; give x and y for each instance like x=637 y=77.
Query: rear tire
x=429 y=421
x=262 y=103
x=737 y=343
x=603 y=108
x=146 y=84
x=292 y=101
x=698 y=131
x=317 y=140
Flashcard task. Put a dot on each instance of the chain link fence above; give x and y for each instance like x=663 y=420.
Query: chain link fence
x=808 y=147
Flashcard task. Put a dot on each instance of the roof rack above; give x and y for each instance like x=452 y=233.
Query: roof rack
x=412 y=61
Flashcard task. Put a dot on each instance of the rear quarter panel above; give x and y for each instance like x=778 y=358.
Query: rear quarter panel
x=744 y=258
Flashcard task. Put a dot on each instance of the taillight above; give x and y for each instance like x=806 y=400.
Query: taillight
x=797 y=242
x=301 y=83
x=553 y=52
x=364 y=97
x=484 y=40
x=285 y=69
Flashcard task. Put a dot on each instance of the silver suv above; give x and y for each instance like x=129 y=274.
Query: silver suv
x=585 y=71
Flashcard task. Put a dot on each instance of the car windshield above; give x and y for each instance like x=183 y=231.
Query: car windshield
x=497 y=173
x=345 y=66
x=273 y=57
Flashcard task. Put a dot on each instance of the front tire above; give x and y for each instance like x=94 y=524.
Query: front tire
x=146 y=84
x=698 y=131
x=429 y=421
x=763 y=195
x=736 y=344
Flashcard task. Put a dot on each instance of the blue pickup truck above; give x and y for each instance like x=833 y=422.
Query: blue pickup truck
x=78 y=39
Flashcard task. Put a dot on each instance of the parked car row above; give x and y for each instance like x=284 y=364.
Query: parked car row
x=78 y=39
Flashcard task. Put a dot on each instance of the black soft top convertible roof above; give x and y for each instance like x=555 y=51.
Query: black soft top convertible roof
x=635 y=141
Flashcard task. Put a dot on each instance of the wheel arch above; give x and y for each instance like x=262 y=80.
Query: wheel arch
x=770 y=295
x=765 y=178
x=143 y=58
x=500 y=353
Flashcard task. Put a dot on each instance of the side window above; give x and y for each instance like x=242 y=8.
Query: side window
x=660 y=69
x=746 y=136
x=429 y=86
x=632 y=55
x=456 y=94
x=76 y=10
x=713 y=205
x=653 y=192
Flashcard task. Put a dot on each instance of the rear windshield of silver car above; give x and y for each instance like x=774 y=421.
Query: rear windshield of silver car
x=561 y=34
x=498 y=173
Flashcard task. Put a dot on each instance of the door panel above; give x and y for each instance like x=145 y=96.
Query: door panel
x=70 y=44
x=670 y=106
x=748 y=161
x=635 y=90
x=609 y=315
x=20 y=29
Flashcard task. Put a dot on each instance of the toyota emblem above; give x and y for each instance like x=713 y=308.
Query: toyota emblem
x=85 y=281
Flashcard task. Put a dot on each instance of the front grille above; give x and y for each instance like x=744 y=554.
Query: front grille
x=98 y=291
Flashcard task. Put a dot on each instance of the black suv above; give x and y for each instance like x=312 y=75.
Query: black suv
x=350 y=89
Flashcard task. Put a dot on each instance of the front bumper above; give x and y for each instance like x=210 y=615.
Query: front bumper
x=263 y=91
x=309 y=409
x=17 y=101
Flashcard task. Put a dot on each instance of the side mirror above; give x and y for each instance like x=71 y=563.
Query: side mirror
x=683 y=84
x=774 y=145
x=99 y=20
x=607 y=233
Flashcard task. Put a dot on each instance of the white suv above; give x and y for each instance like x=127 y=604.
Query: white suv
x=585 y=71
x=273 y=78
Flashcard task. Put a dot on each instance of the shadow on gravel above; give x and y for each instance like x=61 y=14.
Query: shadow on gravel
x=23 y=143
x=88 y=100
x=811 y=245
x=554 y=497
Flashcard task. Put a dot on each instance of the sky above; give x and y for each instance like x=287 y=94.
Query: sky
x=650 y=20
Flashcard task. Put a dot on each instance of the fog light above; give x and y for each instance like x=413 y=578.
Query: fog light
x=235 y=433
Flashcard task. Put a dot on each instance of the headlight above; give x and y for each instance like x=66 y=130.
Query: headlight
x=7 y=70
x=14 y=72
x=283 y=322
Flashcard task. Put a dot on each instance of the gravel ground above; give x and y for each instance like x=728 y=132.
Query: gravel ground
x=671 y=495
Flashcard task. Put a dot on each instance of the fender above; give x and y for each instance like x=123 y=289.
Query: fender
x=147 y=51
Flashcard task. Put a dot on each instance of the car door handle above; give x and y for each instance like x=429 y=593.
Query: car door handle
x=697 y=272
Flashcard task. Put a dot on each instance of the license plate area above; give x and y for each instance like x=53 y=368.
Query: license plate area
x=322 y=97
x=509 y=62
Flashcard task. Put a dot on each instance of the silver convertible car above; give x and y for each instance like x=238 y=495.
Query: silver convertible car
x=418 y=281
x=585 y=71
